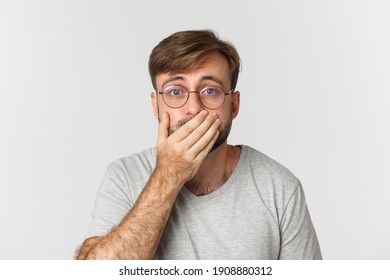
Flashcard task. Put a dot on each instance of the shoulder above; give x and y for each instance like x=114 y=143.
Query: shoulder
x=125 y=177
x=267 y=168
x=132 y=172
x=270 y=180
x=144 y=160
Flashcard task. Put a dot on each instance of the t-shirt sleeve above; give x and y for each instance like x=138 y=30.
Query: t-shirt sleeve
x=112 y=201
x=298 y=236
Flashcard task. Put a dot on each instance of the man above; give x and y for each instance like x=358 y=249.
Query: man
x=194 y=196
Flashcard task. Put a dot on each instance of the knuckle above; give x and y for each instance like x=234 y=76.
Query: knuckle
x=178 y=149
x=188 y=157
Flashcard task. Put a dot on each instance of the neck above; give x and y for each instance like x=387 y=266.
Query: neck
x=215 y=170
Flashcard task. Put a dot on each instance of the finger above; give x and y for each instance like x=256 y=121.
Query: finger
x=203 y=153
x=198 y=133
x=163 y=128
x=190 y=126
x=207 y=139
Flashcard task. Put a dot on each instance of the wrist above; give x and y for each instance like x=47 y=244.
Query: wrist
x=167 y=180
x=166 y=185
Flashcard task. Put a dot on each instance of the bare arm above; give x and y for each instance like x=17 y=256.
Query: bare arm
x=138 y=235
x=179 y=157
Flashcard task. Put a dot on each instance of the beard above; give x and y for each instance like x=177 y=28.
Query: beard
x=224 y=131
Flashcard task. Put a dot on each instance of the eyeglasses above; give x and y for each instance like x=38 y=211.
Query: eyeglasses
x=211 y=97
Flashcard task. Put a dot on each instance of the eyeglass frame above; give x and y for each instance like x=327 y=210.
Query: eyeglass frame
x=198 y=93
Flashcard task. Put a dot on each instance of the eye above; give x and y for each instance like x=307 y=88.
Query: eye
x=174 y=91
x=211 y=91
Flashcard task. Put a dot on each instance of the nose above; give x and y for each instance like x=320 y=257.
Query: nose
x=193 y=105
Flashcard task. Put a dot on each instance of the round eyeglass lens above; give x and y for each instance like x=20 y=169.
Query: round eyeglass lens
x=212 y=97
x=175 y=96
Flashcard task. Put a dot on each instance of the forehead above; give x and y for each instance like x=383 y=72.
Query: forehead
x=213 y=68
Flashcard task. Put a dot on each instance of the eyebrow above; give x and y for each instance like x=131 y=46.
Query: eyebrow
x=203 y=78
x=172 y=79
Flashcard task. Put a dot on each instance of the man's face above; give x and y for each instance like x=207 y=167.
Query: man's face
x=214 y=71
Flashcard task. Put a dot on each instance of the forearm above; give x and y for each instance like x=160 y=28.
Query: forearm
x=138 y=235
x=179 y=157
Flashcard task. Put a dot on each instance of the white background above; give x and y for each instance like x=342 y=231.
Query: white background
x=75 y=95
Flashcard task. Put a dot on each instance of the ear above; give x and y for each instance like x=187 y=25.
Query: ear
x=235 y=104
x=154 y=97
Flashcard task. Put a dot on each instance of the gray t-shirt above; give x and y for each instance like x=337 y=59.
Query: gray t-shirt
x=259 y=213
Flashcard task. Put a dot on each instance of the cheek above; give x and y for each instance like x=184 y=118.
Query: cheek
x=224 y=115
x=174 y=117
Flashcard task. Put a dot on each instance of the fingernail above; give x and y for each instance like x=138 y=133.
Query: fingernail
x=218 y=121
x=205 y=113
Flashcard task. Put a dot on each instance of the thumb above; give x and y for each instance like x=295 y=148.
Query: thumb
x=163 y=128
